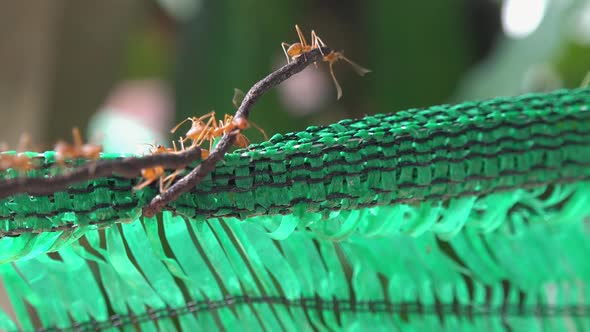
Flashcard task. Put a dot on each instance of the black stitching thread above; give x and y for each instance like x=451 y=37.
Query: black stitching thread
x=378 y=156
x=442 y=110
x=237 y=211
x=352 y=150
x=286 y=209
x=403 y=138
x=541 y=310
x=69 y=226
x=446 y=134
x=328 y=176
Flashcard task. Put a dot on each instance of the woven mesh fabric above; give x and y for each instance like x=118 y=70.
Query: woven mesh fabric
x=434 y=153
x=429 y=154
x=454 y=217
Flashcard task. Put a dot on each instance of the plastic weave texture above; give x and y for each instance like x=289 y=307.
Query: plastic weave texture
x=453 y=217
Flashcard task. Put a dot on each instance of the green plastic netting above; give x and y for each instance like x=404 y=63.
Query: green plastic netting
x=454 y=217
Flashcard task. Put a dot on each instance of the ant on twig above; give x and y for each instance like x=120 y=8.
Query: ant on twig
x=202 y=131
x=20 y=161
x=242 y=141
x=203 y=128
x=152 y=174
x=195 y=176
x=293 y=51
x=64 y=150
x=199 y=131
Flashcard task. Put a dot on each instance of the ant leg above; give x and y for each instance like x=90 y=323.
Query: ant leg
x=167 y=181
x=241 y=140
x=228 y=122
x=205 y=132
x=259 y=129
x=302 y=41
x=210 y=114
x=317 y=42
x=239 y=95
x=161 y=185
x=211 y=131
x=285 y=46
x=77 y=137
x=338 y=88
x=144 y=184
x=180 y=124
x=24 y=143
x=301 y=37
x=358 y=68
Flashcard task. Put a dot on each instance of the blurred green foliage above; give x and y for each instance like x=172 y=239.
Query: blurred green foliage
x=227 y=45
x=417 y=52
x=421 y=53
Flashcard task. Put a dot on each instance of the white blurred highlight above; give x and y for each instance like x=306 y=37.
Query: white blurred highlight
x=581 y=25
x=520 y=18
x=182 y=10
x=135 y=114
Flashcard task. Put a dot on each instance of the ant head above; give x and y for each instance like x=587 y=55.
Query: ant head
x=240 y=123
x=157 y=148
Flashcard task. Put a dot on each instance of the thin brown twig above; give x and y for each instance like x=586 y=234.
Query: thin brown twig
x=126 y=167
x=132 y=166
x=198 y=173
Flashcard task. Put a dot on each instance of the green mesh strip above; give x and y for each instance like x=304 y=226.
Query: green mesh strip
x=172 y=274
x=418 y=157
x=466 y=217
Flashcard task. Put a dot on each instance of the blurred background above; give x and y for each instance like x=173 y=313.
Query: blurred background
x=126 y=71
